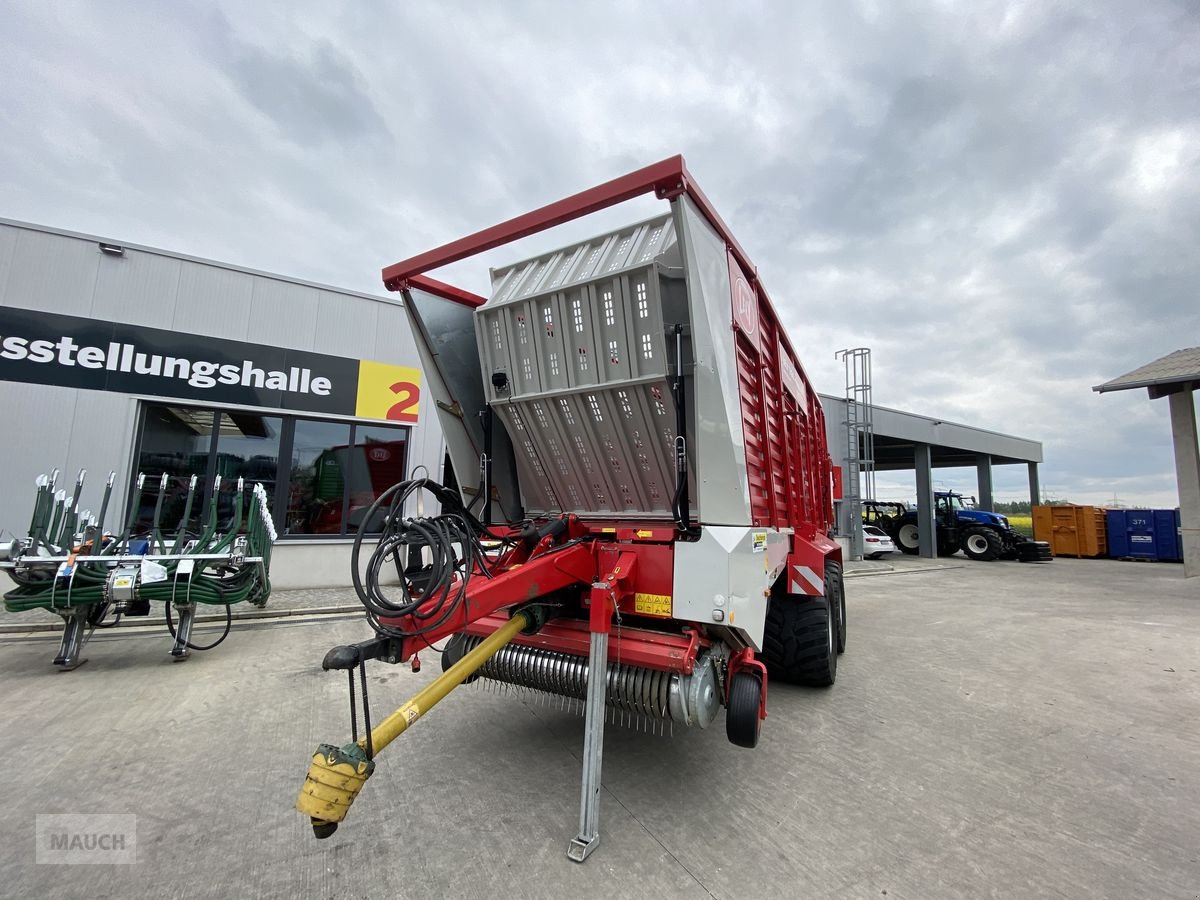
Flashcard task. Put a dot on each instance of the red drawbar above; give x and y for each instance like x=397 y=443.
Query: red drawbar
x=632 y=646
x=531 y=580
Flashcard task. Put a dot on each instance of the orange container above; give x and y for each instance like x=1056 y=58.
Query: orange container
x=1071 y=530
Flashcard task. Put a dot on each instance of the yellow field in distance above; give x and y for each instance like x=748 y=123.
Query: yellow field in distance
x=1023 y=524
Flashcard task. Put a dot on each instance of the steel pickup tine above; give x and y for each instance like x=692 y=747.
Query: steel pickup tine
x=108 y=488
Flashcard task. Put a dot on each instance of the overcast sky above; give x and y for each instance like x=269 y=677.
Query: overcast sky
x=1002 y=200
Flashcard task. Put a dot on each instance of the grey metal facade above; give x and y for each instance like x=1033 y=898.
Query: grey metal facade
x=55 y=271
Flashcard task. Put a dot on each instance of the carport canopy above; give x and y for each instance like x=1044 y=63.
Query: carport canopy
x=905 y=440
x=1176 y=376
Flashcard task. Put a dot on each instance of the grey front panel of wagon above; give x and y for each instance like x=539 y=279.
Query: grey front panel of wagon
x=580 y=334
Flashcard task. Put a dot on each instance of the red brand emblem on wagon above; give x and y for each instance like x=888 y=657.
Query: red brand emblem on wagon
x=379 y=454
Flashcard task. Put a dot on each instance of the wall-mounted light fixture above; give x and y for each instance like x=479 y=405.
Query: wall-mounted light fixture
x=112 y=249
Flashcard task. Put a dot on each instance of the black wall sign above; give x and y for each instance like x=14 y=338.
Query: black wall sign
x=47 y=348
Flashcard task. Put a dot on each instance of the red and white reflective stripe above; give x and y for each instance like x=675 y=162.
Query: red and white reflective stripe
x=809 y=582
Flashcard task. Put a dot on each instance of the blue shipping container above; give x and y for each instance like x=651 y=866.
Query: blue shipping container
x=1145 y=534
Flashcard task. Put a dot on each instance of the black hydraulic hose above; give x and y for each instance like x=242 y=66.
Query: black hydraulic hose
x=99 y=612
x=395 y=535
x=452 y=541
x=189 y=644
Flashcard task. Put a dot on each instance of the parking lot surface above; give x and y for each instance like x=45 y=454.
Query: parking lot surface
x=996 y=729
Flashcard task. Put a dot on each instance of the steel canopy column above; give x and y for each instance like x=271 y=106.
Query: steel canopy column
x=1187 y=474
x=983 y=468
x=923 y=463
x=1035 y=488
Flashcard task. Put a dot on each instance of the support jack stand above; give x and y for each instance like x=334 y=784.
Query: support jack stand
x=183 y=633
x=593 y=748
x=605 y=603
x=69 y=649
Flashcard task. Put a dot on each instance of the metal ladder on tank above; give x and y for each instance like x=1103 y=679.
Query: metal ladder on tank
x=860 y=443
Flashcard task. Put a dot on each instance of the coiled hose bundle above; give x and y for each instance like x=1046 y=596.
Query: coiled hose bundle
x=433 y=556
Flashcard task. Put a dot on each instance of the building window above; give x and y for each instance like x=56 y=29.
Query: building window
x=176 y=441
x=379 y=460
x=317 y=482
x=247 y=448
x=322 y=475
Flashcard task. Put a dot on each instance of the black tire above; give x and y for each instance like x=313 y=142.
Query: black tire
x=835 y=586
x=1033 y=551
x=800 y=640
x=743 y=719
x=456 y=648
x=982 y=544
x=907 y=538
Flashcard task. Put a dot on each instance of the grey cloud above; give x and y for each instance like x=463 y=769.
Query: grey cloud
x=958 y=187
x=313 y=92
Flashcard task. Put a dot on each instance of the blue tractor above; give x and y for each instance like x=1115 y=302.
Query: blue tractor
x=980 y=534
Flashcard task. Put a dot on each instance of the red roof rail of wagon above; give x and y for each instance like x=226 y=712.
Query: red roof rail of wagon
x=667 y=179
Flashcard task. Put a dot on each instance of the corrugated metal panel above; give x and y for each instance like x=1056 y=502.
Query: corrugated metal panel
x=137 y=288
x=47 y=414
x=53 y=273
x=213 y=301
x=607 y=255
x=346 y=326
x=581 y=336
x=75 y=430
x=101 y=441
x=8 y=246
x=394 y=341
x=1169 y=526
x=283 y=315
x=758 y=470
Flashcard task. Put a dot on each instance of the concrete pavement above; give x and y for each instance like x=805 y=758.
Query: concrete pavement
x=997 y=729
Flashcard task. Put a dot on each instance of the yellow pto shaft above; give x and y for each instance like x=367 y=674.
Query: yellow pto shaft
x=337 y=774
